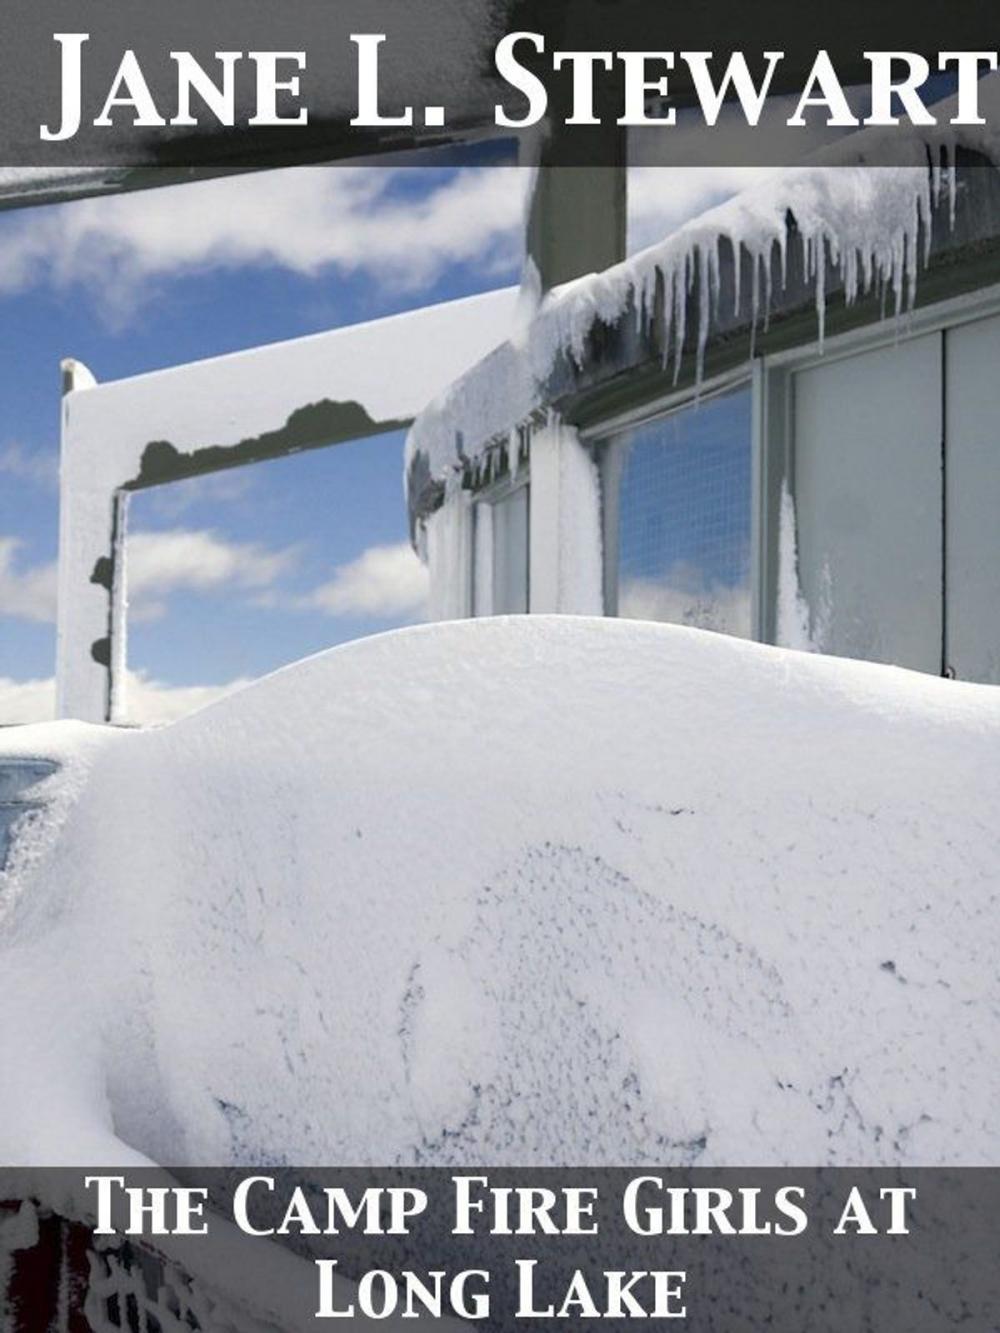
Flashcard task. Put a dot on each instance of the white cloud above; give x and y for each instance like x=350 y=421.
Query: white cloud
x=384 y=581
x=660 y=199
x=179 y=559
x=303 y=219
x=211 y=490
x=25 y=594
x=39 y=467
x=149 y=701
x=158 y=563
x=388 y=223
x=26 y=700
x=683 y=597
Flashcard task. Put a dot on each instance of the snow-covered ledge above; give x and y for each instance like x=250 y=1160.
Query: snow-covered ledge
x=834 y=227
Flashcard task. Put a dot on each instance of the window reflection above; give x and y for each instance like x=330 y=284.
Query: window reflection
x=679 y=504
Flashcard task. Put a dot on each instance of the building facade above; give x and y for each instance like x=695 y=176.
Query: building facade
x=780 y=423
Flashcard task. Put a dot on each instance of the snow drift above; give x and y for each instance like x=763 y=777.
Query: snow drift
x=516 y=891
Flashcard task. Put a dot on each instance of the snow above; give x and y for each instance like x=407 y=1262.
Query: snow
x=565 y=541
x=869 y=225
x=388 y=367
x=864 y=222
x=449 y=533
x=792 y=609
x=516 y=891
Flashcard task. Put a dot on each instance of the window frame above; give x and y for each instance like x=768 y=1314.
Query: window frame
x=774 y=417
x=771 y=380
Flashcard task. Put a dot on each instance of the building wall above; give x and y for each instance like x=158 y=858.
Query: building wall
x=841 y=500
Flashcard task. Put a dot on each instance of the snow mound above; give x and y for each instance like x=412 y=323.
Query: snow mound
x=534 y=890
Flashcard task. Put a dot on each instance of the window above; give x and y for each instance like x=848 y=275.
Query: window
x=678 y=517
x=501 y=554
x=896 y=489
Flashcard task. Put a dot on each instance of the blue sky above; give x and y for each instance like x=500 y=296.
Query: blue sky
x=248 y=570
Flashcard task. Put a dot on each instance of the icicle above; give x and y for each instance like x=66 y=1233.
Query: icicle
x=639 y=304
x=851 y=276
x=704 y=310
x=667 y=318
x=898 y=256
x=912 y=259
x=737 y=273
x=680 y=315
x=951 y=167
x=871 y=226
x=783 y=256
x=820 y=261
x=927 y=215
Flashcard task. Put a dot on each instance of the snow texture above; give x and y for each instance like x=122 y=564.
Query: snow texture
x=792 y=609
x=863 y=222
x=516 y=891
x=566 y=542
x=449 y=538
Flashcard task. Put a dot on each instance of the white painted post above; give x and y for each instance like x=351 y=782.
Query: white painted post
x=450 y=558
x=566 y=560
x=83 y=617
x=482 y=560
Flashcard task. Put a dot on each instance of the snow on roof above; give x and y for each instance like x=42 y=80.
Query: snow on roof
x=520 y=891
x=871 y=226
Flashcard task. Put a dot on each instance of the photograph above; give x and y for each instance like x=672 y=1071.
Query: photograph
x=499 y=648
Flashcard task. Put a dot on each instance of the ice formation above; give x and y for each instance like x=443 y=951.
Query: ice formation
x=526 y=890
x=868 y=226
x=872 y=226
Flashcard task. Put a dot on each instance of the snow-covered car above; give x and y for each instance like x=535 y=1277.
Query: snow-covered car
x=528 y=890
x=19 y=782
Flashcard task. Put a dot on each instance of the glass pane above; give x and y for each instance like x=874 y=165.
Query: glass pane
x=684 y=517
x=510 y=554
x=868 y=493
x=972 y=496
